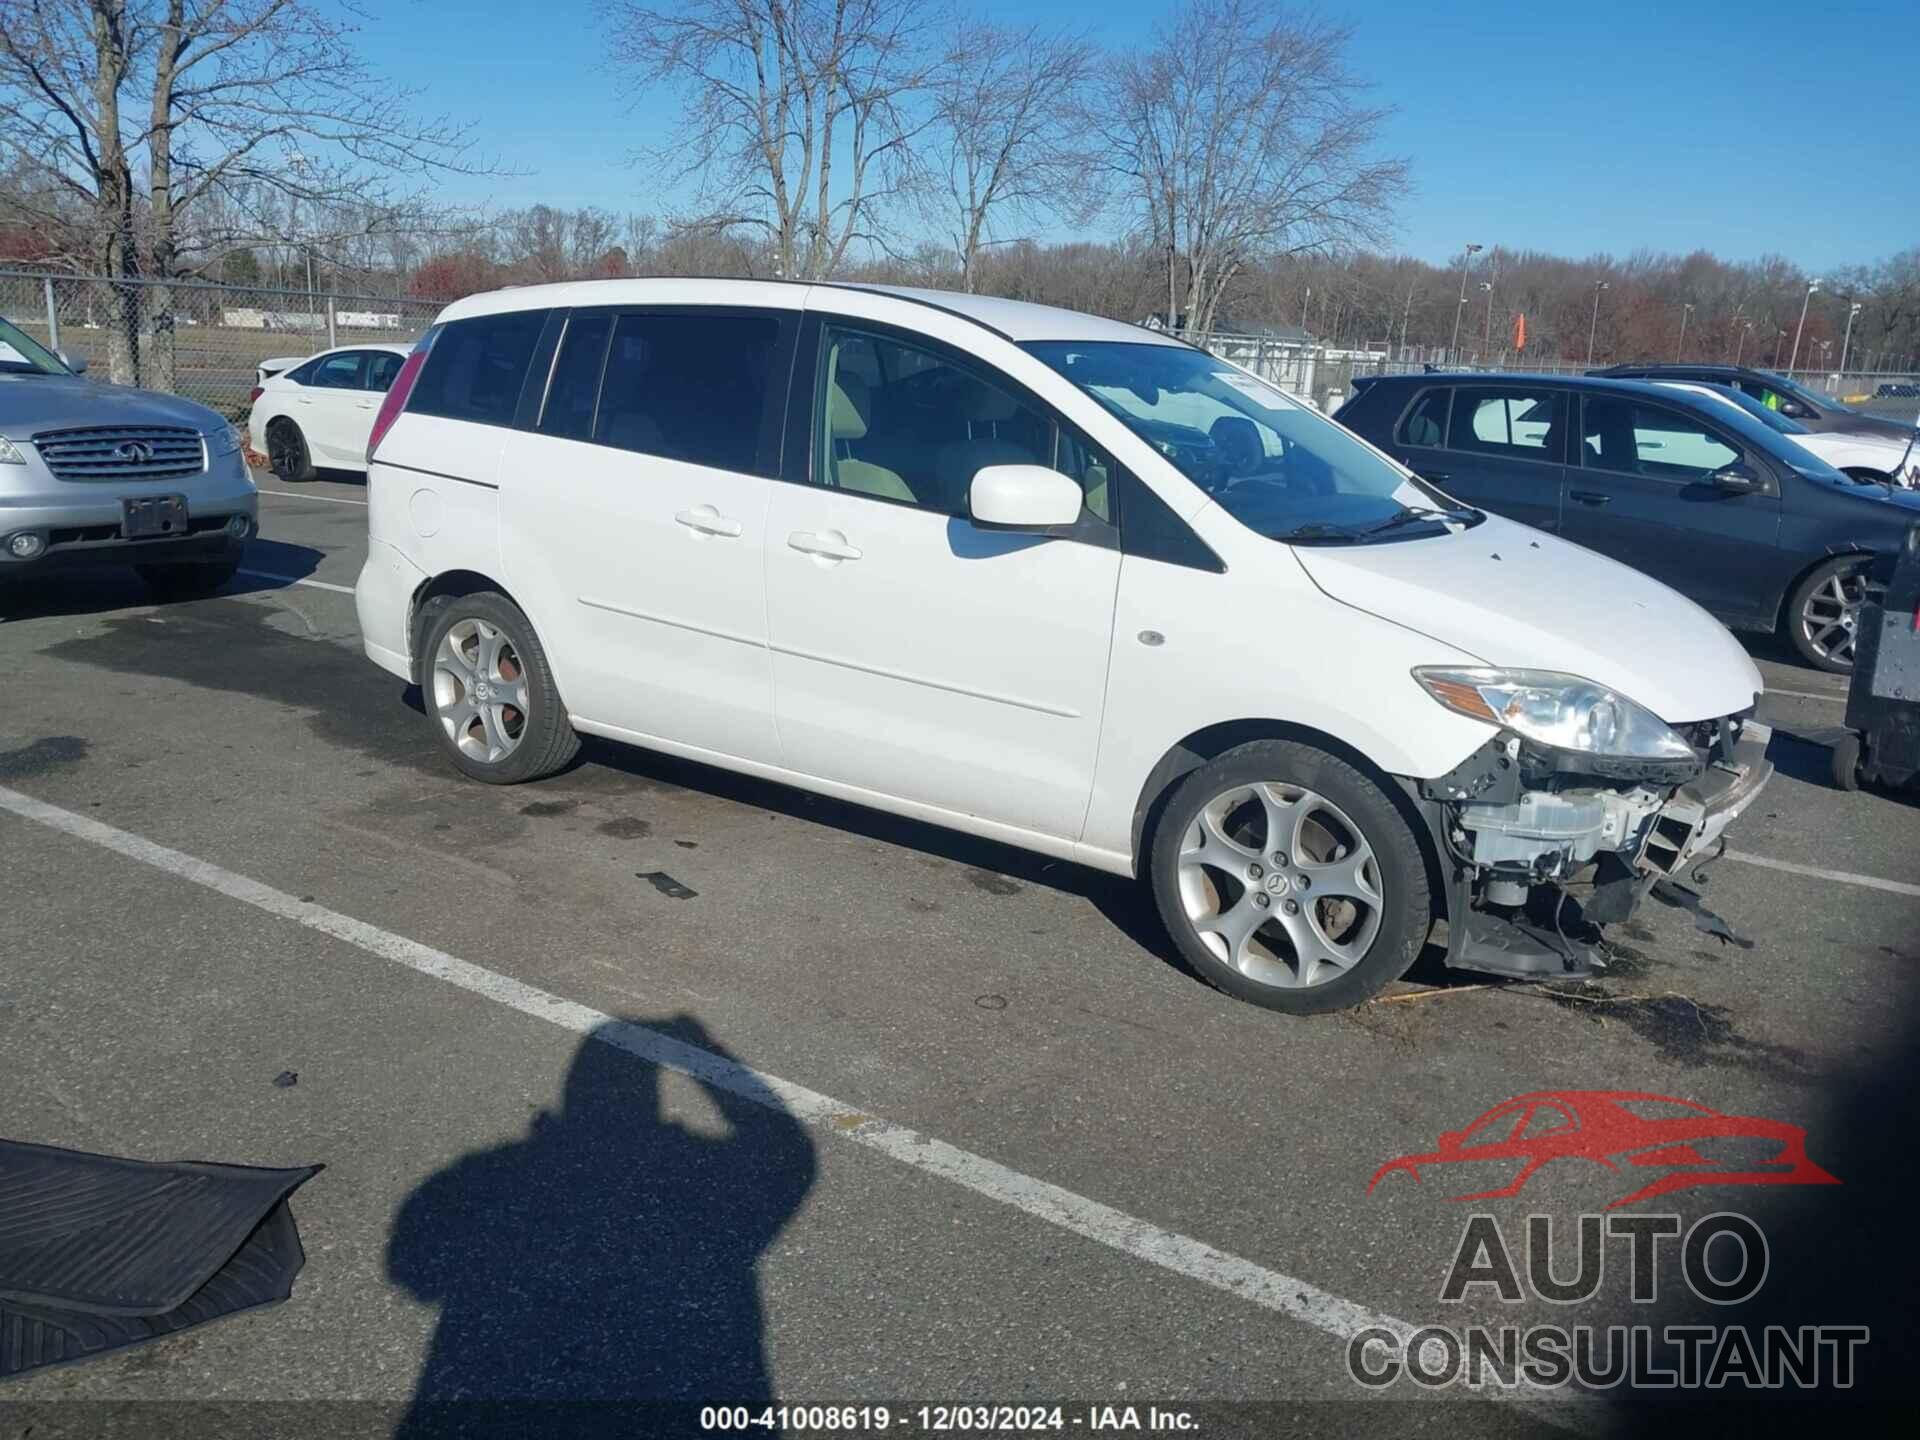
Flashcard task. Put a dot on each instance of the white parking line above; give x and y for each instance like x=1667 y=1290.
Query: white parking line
x=295 y=495
x=297 y=580
x=1180 y=1254
x=1845 y=877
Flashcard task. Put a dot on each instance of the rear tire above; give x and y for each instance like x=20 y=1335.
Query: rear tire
x=287 y=453
x=187 y=582
x=1823 y=612
x=489 y=691
x=1272 y=825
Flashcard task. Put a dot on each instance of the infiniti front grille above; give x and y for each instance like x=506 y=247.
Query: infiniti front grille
x=122 y=452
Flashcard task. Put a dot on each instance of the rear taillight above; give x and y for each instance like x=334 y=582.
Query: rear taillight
x=257 y=392
x=397 y=393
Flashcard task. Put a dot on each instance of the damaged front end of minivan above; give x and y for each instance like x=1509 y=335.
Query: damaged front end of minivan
x=1579 y=806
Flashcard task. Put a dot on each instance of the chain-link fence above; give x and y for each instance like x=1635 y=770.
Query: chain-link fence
x=1323 y=375
x=193 y=338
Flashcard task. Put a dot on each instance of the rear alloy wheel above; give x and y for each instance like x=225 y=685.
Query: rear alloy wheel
x=287 y=454
x=1288 y=878
x=487 y=684
x=1824 y=614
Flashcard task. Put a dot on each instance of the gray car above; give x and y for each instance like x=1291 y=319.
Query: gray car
x=101 y=475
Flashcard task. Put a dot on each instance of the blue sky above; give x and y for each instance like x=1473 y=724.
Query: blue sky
x=1755 y=128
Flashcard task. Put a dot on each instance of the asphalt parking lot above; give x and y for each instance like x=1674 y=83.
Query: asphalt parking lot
x=975 y=1129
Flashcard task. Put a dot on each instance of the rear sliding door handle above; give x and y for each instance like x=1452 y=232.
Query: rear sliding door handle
x=1589 y=497
x=708 y=521
x=830 y=546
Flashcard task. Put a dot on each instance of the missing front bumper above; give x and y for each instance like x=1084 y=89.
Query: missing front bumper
x=1553 y=936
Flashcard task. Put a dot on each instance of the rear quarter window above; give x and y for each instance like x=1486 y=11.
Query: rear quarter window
x=476 y=368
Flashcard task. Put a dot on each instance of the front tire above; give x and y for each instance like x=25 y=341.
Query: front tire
x=187 y=582
x=1289 y=879
x=490 y=692
x=1823 y=613
x=287 y=453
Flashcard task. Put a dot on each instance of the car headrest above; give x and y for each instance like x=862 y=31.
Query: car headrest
x=849 y=407
x=982 y=402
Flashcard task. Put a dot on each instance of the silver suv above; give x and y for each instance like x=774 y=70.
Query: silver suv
x=96 y=475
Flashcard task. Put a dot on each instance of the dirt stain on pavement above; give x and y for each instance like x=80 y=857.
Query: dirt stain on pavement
x=542 y=809
x=993 y=884
x=37 y=757
x=1683 y=1030
x=624 y=827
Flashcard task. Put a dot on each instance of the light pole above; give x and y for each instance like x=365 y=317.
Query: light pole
x=1680 y=352
x=1813 y=287
x=1853 y=313
x=1746 y=329
x=1779 y=339
x=1466 y=261
x=1486 y=341
x=1594 y=324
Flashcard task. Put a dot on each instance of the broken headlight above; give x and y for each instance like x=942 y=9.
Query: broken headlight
x=1560 y=711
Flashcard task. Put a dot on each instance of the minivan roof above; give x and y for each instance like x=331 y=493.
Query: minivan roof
x=1016 y=320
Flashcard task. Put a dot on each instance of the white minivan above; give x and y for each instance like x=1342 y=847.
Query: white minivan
x=1057 y=581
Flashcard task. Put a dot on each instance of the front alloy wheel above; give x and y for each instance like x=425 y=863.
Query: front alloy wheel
x=1288 y=877
x=1279 y=883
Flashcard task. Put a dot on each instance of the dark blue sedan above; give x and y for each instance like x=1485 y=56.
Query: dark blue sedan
x=1697 y=494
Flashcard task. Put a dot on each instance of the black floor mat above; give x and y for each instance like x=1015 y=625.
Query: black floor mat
x=98 y=1253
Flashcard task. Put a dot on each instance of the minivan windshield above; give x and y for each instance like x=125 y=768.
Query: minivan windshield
x=1269 y=461
x=21 y=354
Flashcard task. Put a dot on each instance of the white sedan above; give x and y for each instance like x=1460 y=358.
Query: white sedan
x=319 y=413
x=1864 y=457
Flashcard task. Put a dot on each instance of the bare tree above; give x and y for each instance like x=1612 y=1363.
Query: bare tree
x=245 y=111
x=1004 y=135
x=1241 y=134
x=798 y=117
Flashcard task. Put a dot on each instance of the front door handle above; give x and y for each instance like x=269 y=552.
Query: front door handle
x=1589 y=497
x=830 y=546
x=708 y=521
x=1439 y=477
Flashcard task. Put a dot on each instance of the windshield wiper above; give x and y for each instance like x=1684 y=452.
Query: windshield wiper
x=1415 y=513
x=1321 y=530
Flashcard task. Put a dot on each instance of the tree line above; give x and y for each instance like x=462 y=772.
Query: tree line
x=1226 y=172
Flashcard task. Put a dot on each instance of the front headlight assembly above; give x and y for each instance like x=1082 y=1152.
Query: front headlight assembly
x=9 y=453
x=1560 y=711
x=223 y=441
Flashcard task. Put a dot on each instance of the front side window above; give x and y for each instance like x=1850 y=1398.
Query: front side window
x=1638 y=439
x=476 y=367
x=1277 y=467
x=338 y=372
x=689 y=386
x=928 y=425
x=1516 y=421
x=1426 y=423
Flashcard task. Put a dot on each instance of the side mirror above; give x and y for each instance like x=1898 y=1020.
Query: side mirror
x=1026 y=498
x=1737 y=479
x=76 y=363
x=1794 y=410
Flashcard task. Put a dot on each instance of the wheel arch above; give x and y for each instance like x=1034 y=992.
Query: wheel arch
x=1192 y=751
x=449 y=585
